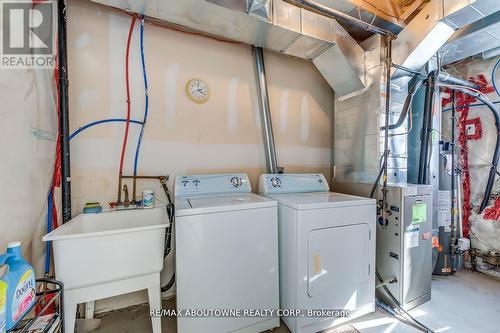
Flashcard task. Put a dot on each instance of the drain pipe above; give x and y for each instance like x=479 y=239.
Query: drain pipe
x=426 y=127
x=265 y=111
x=64 y=112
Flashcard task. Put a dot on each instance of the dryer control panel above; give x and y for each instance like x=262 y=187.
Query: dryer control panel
x=198 y=185
x=292 y=183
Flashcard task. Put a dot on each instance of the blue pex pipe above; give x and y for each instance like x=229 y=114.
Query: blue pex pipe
x=112 y=120
x=146 y=108
x=49 y=229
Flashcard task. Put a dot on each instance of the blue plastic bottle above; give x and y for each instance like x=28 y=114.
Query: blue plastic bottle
x=20 y=281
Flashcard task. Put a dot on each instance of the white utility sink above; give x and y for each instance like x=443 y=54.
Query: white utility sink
x=108 y=254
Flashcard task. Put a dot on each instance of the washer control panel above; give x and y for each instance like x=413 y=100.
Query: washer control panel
x=198 y=185
x=292 y=183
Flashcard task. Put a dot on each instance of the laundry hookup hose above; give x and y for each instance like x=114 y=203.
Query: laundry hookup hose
x=168 y=235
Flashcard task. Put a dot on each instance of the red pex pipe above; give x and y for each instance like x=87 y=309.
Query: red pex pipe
x=127 y=125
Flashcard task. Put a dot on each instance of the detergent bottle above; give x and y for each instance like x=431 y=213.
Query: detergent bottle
x=20 y=282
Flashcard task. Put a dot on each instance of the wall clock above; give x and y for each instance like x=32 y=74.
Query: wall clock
x=197 y=90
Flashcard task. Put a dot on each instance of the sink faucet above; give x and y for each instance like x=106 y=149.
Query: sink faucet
x=126 y=203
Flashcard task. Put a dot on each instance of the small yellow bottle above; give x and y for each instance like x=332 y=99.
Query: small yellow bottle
x=3 y=302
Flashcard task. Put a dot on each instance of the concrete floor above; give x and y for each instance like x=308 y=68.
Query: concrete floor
x=463 y=303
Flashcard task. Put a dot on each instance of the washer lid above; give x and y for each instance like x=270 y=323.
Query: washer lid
x=316 y=200
x=220 y=203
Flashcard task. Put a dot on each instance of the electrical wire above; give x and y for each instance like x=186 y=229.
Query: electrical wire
x=481 y=241
x=464 y=149
x=127 y=83
x=103 y=121
x=146 y=107
x=468 y=151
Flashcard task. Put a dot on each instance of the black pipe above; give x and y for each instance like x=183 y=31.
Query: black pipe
x=496 y=154
x=64 y=111
x=420 y=79
x=425 y=133
x=406 y=107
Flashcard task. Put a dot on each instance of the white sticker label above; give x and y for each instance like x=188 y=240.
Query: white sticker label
x=470 y=129
x=410 y=191
x=412 y=236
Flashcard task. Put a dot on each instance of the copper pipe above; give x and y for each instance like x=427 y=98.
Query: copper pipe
x=162 y=179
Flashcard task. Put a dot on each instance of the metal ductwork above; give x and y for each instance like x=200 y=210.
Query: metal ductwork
x=272 y=24
x=433 y=26
x=477 y=37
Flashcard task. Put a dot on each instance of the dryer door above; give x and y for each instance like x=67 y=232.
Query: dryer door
x=338 y=261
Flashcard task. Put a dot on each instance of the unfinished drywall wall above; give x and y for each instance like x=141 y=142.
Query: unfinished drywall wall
x=28 y=124
x=222 y=135
x=484 y=233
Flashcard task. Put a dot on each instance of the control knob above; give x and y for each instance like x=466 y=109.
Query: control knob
x=275 y=182
x=236 y=181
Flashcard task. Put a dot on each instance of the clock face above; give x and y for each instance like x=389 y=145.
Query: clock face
x=197 y=90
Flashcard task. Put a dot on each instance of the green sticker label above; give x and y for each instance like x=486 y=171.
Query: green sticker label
x=434 y=136
x=419 y=212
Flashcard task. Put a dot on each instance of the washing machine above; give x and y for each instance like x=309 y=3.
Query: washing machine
x=326 y=251
x=226 y=255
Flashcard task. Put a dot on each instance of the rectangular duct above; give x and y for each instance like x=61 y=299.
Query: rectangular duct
x=357 y=143
x=473 y=38
x=272 y=24
x=433 y=27
x=260 y=9
x=421 y=38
